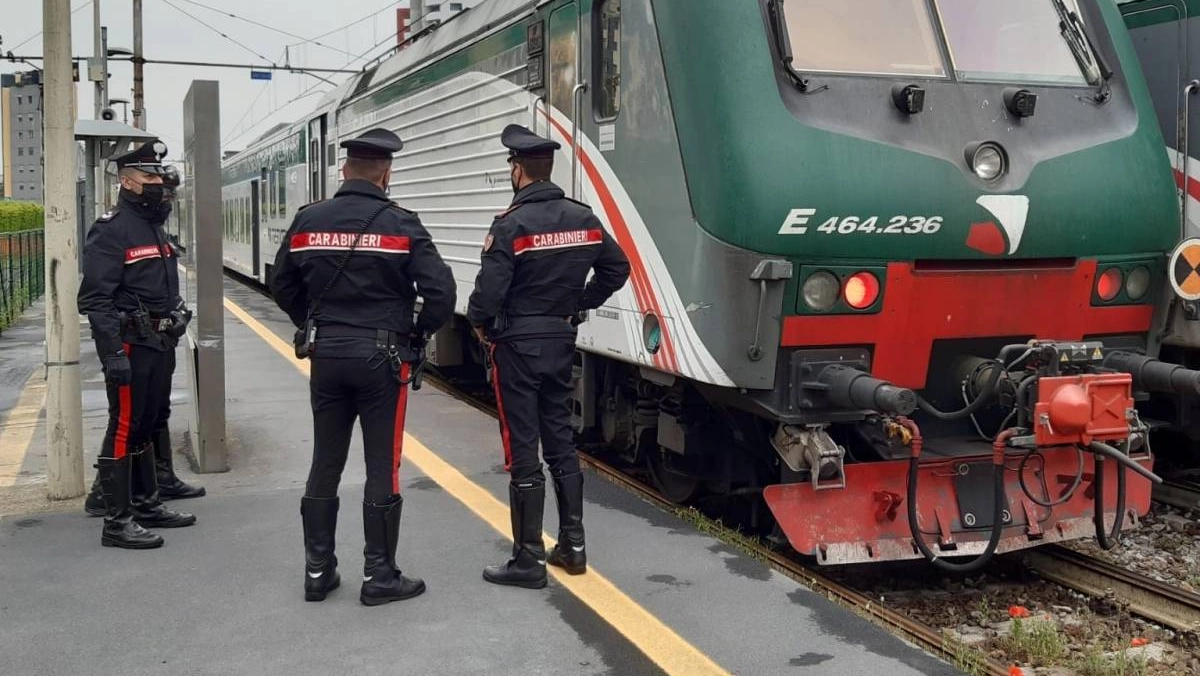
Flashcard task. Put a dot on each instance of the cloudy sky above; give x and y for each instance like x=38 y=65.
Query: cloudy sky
x=248 y=107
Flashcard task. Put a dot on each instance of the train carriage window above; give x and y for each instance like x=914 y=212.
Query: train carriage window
x=1009 y=41
x=281 y=186
x=863 y=37
x=608 y=61
x=562 y=49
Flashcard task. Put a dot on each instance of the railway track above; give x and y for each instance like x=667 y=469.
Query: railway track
x=1163 y=603
x=1183 y=494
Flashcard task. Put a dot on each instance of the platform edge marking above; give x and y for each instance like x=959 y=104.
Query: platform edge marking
x=661 y=644
x=19 y=428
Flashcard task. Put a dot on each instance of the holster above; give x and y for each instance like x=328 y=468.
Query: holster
x=305 y=340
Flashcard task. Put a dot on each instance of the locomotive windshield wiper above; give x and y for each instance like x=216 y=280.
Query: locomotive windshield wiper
x=1091 y=63
x=784 y=40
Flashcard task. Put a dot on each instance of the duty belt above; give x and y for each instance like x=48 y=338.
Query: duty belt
x=156 y=324
x=384 y=339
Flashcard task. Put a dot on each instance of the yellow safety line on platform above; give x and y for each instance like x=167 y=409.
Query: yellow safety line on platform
x=17 y=433
x=659 y=642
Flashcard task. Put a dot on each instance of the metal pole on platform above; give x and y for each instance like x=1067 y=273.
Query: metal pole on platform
x=139 y=115
x=64 y=415
x=104 y=202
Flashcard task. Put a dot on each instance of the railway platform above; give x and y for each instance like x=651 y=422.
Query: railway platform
x=225 y=597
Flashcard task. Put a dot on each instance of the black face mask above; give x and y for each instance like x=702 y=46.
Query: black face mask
x=513 y=178
x=152 y=193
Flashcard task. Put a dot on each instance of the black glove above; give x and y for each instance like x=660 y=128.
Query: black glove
x=117 y=369
x=578 y=318
x=179 y=323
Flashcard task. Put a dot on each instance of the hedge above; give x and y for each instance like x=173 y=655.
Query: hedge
x=17 y=216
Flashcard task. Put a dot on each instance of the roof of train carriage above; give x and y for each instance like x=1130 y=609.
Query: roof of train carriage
x=429 y=46
x=446 y=37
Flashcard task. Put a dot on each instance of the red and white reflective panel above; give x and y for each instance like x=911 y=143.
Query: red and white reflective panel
x=142 y=253
x=342 y=241
x=557 y=240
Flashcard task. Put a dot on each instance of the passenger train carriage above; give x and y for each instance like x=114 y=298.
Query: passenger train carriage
x=894 y=262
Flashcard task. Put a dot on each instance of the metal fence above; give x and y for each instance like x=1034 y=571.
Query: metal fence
x=22 y=273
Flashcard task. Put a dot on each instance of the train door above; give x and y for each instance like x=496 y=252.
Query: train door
x=257 y=193
x=317 y=132
x=1159 y=30
x=565 y=92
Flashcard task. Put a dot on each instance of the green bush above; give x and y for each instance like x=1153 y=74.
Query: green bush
x=17 y=216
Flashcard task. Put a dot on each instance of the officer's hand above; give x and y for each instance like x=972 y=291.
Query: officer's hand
x=479 y=334
x=579 y=318
x=117 y=369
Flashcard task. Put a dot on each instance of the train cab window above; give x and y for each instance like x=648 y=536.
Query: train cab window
x=608 y=61
x=863 y=37
x=1010 y=41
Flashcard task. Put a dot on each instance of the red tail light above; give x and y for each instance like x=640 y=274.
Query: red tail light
x=861 y=290
x=1109 y=284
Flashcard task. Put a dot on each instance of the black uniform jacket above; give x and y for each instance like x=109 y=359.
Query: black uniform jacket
x=376 y=289
x=128 y=264
x=535 y=264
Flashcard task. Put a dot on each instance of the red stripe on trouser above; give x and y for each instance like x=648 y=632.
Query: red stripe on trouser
x=398 y=428
x=504 y=436
x=125 y=404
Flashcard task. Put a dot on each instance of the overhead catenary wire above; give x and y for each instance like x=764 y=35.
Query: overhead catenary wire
x=215 y=30
x=303 y=40
x=356 y=21
x=303 y=94
x=39 y=33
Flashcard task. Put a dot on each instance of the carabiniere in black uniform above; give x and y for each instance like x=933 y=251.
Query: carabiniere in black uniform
x=130 y=294
x=170 y=486
x=529 y=297
x=348 y=274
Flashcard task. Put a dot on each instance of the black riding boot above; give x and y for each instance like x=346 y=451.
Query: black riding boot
x=569 y=553
x=147 y=509
x=93 y=504
x=170 y=487
x=527 y=567
x=320 y=565
x=120 y=530
x=382 y=581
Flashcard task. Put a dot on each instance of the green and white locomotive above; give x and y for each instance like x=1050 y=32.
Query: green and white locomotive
x=894 y=262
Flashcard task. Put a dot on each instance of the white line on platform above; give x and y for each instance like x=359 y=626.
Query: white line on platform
x=18 y=430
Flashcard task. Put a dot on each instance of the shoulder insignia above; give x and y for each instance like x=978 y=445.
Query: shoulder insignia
x=509 y=210
x=585 y=206
x=107 y=216
x=487 y=242
x=407 y=211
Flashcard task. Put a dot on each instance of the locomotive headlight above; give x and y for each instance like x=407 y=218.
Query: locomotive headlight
x=1138 y=283
x=821 y=291
x=987 y=161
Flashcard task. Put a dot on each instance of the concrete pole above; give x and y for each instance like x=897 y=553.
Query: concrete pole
x=64 y=416
x=139 y=115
